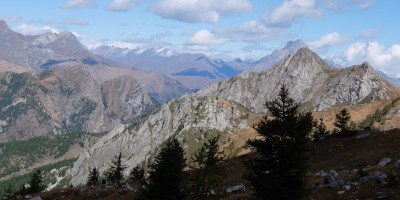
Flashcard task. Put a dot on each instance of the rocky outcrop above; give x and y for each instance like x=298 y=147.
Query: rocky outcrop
x=59 y=101
x=189 y=119
x=310 y=81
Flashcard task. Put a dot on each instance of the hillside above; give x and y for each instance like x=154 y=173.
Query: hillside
x=31 y=104
x=344 y=156
x=228 y=107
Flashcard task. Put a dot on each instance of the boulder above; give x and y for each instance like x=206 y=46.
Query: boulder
x=384 y=161
x=126 y=188
x=36 y=198
x=330 y=181
x=240 y=187
x=378 y=176
x=397 y=164
x=363 y=136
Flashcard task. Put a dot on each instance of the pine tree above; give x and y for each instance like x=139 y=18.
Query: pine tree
x=342 y=122
x=36 y=183
x=115 y=174
x=207 y=172
x=94 y=177
x=166 y=173
x=137 y=174
x=278 y=171
x=320 y=130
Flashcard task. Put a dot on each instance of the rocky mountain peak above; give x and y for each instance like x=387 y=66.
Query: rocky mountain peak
x=366 y=65
x=278 y=55
x=4 y=28
x=70 y=39
x=304 y=61
x=311 y=81
x=295 y=44
x=3 y=25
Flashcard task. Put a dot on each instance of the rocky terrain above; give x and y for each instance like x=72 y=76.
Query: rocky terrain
x=310 y=81
x=30 y=105
x=189 y=118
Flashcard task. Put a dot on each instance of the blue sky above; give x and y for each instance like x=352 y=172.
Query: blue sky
x=345 y=31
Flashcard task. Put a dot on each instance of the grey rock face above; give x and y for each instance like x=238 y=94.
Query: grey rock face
x=309 y=80
x=182 y=118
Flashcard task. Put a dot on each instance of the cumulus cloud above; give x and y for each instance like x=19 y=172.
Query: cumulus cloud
x=251 y=31
x=122 y=5
x=76 y=22
x=328 y=40
x=290 y=11
x=205 y=37
x=208 y=11
x=384 y=59
x=75 y=4
x=27 y=29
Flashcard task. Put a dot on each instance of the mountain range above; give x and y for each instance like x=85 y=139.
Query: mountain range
x=187 y=67
x=51 y=84
x=227 y=107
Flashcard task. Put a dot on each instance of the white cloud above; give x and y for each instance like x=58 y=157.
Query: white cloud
x=381 y=58
x=74 y=4
x=73 y=21
x=205 y=37
x=122 y=5
x=125 y=45
x=328 y=40
x=292 y=10
x=27 y=29
x=251 y=31
x=208 y=11
x=363 y=4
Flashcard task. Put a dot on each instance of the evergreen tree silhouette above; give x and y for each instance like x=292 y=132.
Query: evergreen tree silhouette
x=166 y=173
x=207 y=172
x=115 y=174
x=320 y=130
x=342 y=122
x=279 y=167
x=36 y=183
x=94 y=177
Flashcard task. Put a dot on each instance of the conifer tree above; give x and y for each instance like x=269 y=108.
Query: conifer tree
x=320 y=130
x=115 y=174
x=342 y=122
x=36 y=183
x=207 y=172
x=137 y=174
x=94 y=177
x=166 y=173
x=278 y=171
